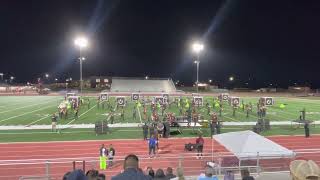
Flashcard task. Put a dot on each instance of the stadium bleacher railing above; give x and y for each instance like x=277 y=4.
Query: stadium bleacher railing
x=55 y=168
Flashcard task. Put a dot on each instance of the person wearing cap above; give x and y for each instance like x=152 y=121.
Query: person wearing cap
x=304 y=170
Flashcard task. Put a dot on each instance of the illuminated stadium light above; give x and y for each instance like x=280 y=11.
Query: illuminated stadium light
x=231 y=78
x=197 y=47
x=47 y=75
x=146 y=77
x=56 y=79
x=81 y=42
x=11 y=77
x=210 y=80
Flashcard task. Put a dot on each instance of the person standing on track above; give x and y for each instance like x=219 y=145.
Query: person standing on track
x=111 y=154
x=103 y=157
x=199 y=145
x=306 y=129
x=152 y=146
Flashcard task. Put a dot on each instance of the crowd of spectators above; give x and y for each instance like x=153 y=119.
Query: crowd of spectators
x=299 y=170
x=131 y=171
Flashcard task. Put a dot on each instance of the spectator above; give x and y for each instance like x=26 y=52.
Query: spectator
x=160 y=175
x=150 y=172
x=65 y=176
x=169 y=173
x=179 y=174
x=77 y=175
x=304 y=170
x=245 y=174
x=92 y=174
x=131 y=166
x=208 y=174
x=228 y=176
x=101 y=177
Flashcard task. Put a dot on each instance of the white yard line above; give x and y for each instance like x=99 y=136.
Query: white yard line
x=37 y=121
x=25 y=113
x=27 y=106
x=81 y=114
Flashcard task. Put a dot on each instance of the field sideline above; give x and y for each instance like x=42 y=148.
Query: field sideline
x=37 y=110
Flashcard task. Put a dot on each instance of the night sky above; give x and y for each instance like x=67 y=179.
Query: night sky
x=258 y=42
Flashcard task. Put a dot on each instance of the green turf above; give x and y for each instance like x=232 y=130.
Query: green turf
x=128 y=133
x=29 y=110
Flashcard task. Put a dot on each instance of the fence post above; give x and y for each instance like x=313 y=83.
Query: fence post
x=74 y=165
x=84 y=166
x=258 y=163
x=180 y=160
x=48 y=170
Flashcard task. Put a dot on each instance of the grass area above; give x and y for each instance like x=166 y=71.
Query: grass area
x=128 y=133
x=30 y=110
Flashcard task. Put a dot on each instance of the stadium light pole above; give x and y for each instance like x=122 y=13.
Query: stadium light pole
x=197 y=48
x=81 y=42
x=1 y=74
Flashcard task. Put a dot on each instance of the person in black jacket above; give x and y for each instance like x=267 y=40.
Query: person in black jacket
x=111 y=154
x=306 y=129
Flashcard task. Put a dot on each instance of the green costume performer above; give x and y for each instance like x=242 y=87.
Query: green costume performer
x=103 y=157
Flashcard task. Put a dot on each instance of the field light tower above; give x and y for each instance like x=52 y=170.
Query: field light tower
x=81 y=42
x=197 y=48
x=1 y=74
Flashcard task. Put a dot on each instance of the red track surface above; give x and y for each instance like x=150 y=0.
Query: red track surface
x=171 y=149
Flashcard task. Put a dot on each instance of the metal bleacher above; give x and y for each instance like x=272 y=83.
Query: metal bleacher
x=142 y=85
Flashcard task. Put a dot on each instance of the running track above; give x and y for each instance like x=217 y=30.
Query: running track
x=26 y=159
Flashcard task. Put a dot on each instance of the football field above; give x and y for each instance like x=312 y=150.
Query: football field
x=37 y=110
